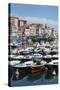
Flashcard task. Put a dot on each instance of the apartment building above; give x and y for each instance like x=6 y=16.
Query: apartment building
x=13 y=22
x=15 y=35
x=20 y=29
x=31 y=30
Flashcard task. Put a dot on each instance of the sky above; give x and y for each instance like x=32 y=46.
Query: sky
x=36 y=13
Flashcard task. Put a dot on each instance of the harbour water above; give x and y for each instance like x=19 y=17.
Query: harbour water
x=38 y=78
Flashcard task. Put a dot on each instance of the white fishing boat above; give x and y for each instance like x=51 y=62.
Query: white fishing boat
x=14 y=62
x=29 y=57
x=17 y=57
x=53 y=62
x=15 y=51
x=24 y=64
x=55 y=56
x=37 y=55
x=13 y=44
x=21 y=65
x=37 y=50
x=25 y=52
x=11 y=56
x=54 y=51
x=47 y=56
x=20 y=50
x=29 y=63
x=29 y=49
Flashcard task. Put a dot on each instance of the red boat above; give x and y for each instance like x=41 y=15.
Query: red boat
x=36 y=69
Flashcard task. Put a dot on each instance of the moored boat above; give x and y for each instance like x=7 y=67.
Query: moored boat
x=53 y=62
x=54 y=52
x=16 y=57
x=31 y=66
x=14 y=62
x=54 y=57
x=53 y=67
x=47 y=58
x=37 y=55
x=37 y=67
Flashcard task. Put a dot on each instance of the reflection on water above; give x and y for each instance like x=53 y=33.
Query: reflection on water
x=39 y=78
x=34 y=76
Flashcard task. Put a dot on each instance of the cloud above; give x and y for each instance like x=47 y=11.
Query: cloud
x=52 y=23
x=49 y=22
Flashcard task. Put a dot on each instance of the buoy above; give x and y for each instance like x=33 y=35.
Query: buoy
x=17 y=73
x=54 y=73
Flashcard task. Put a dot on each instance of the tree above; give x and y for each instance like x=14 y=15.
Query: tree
x=50 y=39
